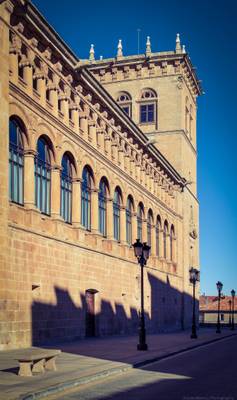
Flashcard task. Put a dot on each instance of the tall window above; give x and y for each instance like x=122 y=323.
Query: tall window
x=147 y=107
x=102 y=207
x=86 y=198
x=116 y=214
x=139 y=222
x=165 y=233
x=124 y=100
x=149 y=227
x=158 y=226
x=42 y=176
x=129 y=207
x=66 y=189
x=16 y=162
x=172 y=243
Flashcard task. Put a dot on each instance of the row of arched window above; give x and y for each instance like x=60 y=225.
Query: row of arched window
x=42 y=174
x=147 y=105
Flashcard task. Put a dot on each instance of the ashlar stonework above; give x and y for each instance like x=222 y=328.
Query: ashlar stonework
x=130 y=122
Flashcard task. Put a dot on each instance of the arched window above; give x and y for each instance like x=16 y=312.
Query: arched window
x=16 y=162
x=158 y=228
x=66 y=188
x=147 y=107
x=86 y=198
x=103 y=189
x=116 y=213
x=42 y=176
x=129 y=208
x=172 y=234
x=139 y=221
x=149 y=227
x=165 y=233
x=125 y=102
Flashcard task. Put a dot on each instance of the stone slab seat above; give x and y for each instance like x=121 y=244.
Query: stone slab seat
x=37 y=360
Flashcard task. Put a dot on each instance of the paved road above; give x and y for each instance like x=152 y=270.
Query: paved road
x=206 y=373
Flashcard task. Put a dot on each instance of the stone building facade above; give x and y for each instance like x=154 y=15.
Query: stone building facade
x=81 y=180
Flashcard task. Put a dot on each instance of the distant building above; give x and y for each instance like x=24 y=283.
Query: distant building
x=93 y=155
x=208 y=310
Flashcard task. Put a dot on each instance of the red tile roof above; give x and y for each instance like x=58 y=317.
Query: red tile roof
x=210 y=303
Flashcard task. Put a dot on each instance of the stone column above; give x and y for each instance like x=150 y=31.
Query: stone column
x=27 y=75
x=64 y=100
x=53 y=97
x=121 y=157
x=75 y=117
x=83 y=121
x=100 y=141
x=29 y=179
x=108 y=145
x=15 y=50
x=123 y=225
x=134 y=227
x=153 y=240
x=94 y=211
x=144 y=230
x=92 y=132
x=110 y=224
x=76 y=201
x=41 y=87
x=55 y=190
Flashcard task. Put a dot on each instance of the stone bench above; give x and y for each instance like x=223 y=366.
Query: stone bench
x=37 y=360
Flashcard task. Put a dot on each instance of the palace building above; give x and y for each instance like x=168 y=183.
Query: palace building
x=93 y=155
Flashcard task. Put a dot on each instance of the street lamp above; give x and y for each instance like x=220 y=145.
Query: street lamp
x=219 y=286
x=194 y=276
x=230 y=303
x=141 y=252
x=233 y=309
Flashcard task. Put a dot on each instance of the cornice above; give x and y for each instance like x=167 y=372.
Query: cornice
x=34 y=18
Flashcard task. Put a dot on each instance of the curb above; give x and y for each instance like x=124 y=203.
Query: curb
x=113 y=371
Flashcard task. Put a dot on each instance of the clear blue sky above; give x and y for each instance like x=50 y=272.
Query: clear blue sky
x=209 y=30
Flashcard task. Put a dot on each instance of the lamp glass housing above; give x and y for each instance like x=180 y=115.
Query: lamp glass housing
x=233 y=293
x=137 y=248
x=219 y=286
x=146 y=251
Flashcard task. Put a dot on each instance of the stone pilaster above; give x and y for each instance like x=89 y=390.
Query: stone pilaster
x=29 y=179
x=55 y=189
x=76 y=201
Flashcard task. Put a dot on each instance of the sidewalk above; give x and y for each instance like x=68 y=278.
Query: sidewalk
x=90 y=359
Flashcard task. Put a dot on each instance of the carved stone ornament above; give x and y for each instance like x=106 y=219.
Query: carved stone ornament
x=193 y=233
x=180 y=82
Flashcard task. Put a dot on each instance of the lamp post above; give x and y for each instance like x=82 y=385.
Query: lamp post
x=219 y=286
x=233 y=309
x=194 y=276
x=141 y=252
x=230 y=306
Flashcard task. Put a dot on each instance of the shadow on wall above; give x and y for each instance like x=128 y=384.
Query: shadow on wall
x=66 y=322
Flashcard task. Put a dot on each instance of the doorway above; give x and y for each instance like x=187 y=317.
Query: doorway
x=90 y=312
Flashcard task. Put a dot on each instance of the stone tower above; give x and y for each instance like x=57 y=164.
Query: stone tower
x=159 y=92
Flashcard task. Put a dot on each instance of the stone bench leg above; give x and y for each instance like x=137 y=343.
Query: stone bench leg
x=50 y=364
x=25 y=368
x=38 y=366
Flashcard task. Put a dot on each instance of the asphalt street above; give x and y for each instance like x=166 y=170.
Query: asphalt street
x=206 y=373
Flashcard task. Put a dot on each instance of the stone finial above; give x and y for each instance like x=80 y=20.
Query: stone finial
x=148 y=46
x=92 y=53
x=178 y=45
x=183 y=49
x=120 y=49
